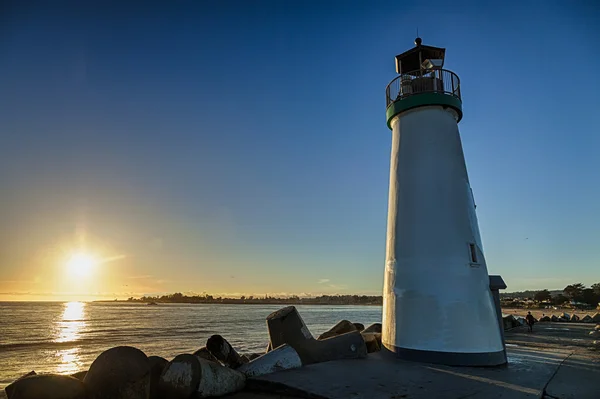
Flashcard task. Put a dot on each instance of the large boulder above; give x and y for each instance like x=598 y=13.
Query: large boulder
x=282 y=358
x=509 y=322
x=596 y=317
x=587 y=319
x=157 y=365
x=565 y=316
x=597 y=327
x=80 y=375
x=373 y=341
x=122 y=372
x=595 y=334
x=181 y=377
x=11 y=386
x=220 y=348
x=204 y=353
x=545 y=318
x=46 y=386
x=373 y=328
x=554 y=318
x=341 y=327
x=574 y=318
x=520 y=321
x=218 y=380
x=359 y=326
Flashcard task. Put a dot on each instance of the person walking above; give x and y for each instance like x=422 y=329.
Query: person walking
x=529 y=319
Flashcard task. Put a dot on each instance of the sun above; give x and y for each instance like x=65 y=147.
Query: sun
x=81 y=264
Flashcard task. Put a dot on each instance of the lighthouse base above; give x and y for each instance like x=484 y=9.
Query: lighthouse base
x=450 y=358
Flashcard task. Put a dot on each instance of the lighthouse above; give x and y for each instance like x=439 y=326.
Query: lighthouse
x=437 y=302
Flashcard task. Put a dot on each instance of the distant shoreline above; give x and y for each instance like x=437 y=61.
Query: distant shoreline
x=238 y=302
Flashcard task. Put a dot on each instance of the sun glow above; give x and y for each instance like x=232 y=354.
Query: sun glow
x=81 y=264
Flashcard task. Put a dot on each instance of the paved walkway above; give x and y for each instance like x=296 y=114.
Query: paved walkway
x=555 y=361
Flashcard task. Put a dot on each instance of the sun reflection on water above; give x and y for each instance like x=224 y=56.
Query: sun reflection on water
x=69 y=329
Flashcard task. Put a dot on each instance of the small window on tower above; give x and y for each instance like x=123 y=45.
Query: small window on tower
x=473 y=251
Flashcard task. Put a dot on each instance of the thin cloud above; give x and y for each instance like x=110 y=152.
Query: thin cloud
x=143 y=276
x=323 y=281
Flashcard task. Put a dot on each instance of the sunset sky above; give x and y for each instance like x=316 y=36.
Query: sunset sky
x=241 y=148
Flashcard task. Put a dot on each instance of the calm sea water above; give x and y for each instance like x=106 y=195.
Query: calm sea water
x=66 y=337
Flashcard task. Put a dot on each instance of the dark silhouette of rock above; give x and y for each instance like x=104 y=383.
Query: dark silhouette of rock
x=341 y=327
x=545 y=318
x=373 y=328
x=565 y=316
x=554 y=318
x=204 y=353
x=224 y=352
x=373 y=341
x=253 y=356
x=359 y=326
x=587 y=319
x=47 y=386
x=10 y=387
x=181 y=377
x=80 y=375
x=596 y=317
x=122 y=372
x=574 y=318
x=287 y=327
x=157 y=365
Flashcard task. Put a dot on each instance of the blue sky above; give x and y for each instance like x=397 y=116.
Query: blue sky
x=241 y=147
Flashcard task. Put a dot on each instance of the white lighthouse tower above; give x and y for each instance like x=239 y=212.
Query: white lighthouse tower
x=437 y=302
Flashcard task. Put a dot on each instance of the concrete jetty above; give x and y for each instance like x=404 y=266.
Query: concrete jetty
x=555 y=361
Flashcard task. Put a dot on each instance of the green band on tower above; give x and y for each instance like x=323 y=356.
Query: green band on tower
x=421 y=100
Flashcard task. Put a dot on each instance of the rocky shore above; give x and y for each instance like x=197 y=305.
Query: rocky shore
x=214 y=370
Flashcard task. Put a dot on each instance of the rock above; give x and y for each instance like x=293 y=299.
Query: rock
x=373 y=328
x=287 y=327
x=565 y=316
x=122 y=372
x=359 y=326
x=253 y=356
x=373 y=341
x=341 y=327
x=509 y=322
x=587 y=319
x=181 y=377
x=520 y=321
x=554 y=318
x=545 y=318
x=217 y=380
x=281 y=358
x=597 y=327
x=345 y=346
x=574 y=318
x=46 y=386
x=594 y=333
x=157 y=365
x=224 y=352
x=80 y=375
x=596 y=317
x=10 y=386
x=205 y=354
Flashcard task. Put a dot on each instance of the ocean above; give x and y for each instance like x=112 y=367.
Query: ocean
x=66 y=337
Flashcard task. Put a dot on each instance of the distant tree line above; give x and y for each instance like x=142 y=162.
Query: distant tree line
x=292 y=300
x=576 y=295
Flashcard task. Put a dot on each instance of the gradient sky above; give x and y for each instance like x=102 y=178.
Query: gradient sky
x=241 y=147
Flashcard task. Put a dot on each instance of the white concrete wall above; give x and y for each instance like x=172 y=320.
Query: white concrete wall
x=435 y=299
